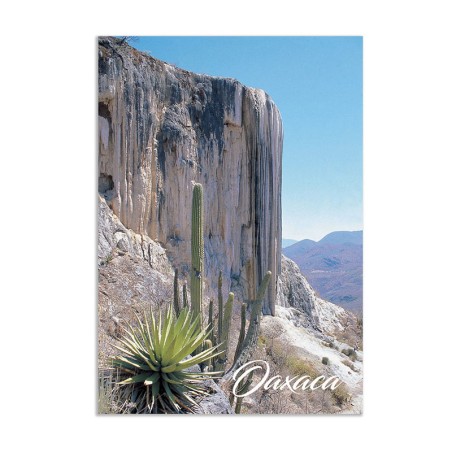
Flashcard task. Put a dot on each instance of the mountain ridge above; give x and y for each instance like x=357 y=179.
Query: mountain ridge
x=333 y=266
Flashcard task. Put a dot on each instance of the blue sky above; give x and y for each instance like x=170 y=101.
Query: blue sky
x=316 y=82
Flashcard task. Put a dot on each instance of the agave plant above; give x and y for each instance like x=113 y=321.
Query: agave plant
x=156 y=356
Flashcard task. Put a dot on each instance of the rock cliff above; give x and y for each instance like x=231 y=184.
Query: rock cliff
x=160 y=130
x=310 y=310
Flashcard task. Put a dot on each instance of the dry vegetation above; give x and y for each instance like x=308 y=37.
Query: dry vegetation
x=123 y=293
x=352 y=333
x=287 y=360
x=349 y=364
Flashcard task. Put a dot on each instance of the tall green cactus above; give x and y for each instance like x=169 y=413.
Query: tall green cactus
x=220 y=305
x=197 y=251
x=242 y=331
x=224 y=340
x=210 y=326
x=243 y=389
x=208 y=364
x=176 y=293
x=184 y=295
x=249 y=343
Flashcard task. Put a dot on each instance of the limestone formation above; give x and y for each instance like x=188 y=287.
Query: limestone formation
x=294 y=291
x=161 y=129
x=305 y=307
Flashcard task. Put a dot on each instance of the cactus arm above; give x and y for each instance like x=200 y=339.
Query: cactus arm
x=210 y=326
x=224 y=345
x=242 y=332
x=250 y=341
x=208 y=363
x=176 y=293
x=244 y=387
x=184 y=295
x=220 y=305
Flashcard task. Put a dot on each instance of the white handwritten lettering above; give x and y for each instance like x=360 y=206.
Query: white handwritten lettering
x=276 y=382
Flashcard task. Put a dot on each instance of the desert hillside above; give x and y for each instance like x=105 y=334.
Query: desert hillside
x=333 y=266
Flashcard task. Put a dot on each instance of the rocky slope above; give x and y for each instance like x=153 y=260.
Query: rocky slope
x=161 y=129
x=134 y=273
x=288 y=341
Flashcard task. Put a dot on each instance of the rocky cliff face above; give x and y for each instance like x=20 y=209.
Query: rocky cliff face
x=306 y=308
x=160 y=130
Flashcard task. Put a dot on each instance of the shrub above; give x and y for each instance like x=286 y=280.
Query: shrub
x=284 y=355
x=325 y=361
x=299 y=366
x=154 y=359
x=341 y=394
x=107 y=259
x=350 y=353
x=328 y=344
x=349 y=364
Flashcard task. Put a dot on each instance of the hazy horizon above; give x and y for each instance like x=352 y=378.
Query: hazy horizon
x=321 y=237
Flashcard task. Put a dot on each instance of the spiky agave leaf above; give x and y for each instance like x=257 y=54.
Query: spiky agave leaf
x=155 y=359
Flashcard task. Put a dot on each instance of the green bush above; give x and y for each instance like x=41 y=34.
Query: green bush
x=350 y=353
x=325 y=361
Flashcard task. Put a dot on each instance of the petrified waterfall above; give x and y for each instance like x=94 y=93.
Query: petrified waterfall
x=161 y=129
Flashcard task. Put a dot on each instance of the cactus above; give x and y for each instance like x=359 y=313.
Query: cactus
x=185 y=296
x=242 y=389
x=249 y=343
x=176 y=293
x=210 y=326
x=197 y=252
x=224 y=340
x=220 y=305
x=207 y=365
x=242 y=331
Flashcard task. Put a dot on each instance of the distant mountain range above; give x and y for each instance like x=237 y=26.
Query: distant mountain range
x=333 y=266
x=287 y=242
